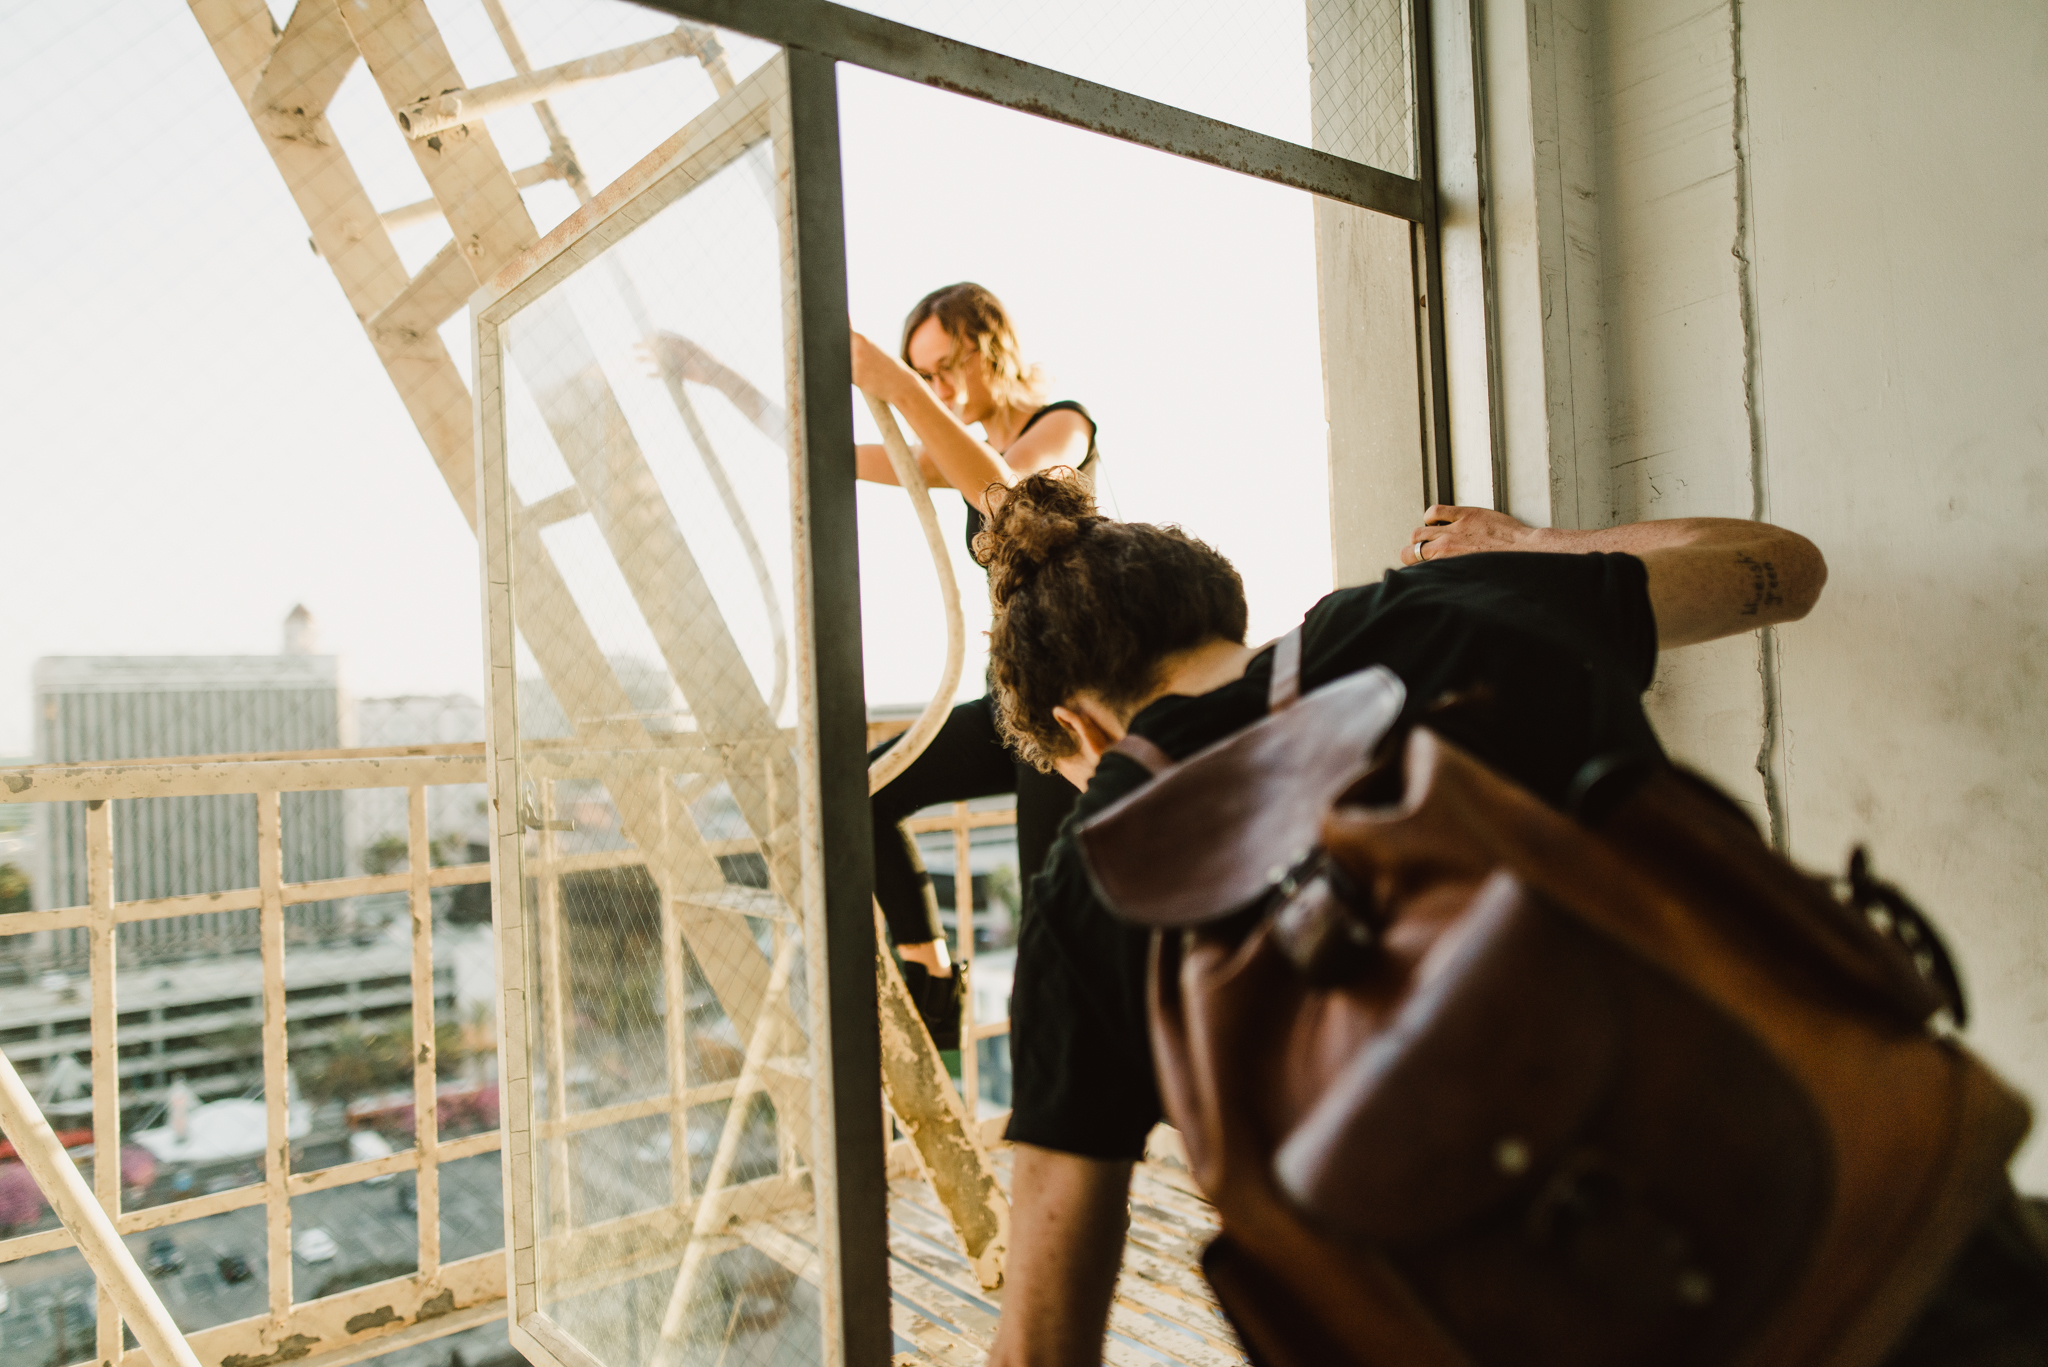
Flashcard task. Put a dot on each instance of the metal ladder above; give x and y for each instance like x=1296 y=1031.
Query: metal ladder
x=285 y=80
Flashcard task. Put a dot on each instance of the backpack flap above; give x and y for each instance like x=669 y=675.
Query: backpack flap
x=1473 y=1091
x=1210 y=834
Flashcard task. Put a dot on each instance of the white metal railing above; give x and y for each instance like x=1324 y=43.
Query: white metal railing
x=962 y=822
x=438 y=1298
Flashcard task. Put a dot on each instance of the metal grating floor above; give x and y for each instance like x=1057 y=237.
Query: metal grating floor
x=1164 y=1315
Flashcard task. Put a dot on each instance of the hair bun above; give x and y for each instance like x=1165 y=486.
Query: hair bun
x=1032 y=524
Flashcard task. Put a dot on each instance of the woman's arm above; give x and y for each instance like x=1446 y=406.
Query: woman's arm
x=1068 y=1215
x=1708 y=576
x=955 y=454
x=871 y=462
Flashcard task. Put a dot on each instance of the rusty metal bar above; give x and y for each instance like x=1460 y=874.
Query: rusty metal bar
x=199 y=778
x=420 y=210
x=276 y=1075
x=963 y=911
x=853 y=1193
x=547 y=874
x=426 y=1118
x=249 y=899
x=121 y=1283
x=837 y=33
x=106 y=1072
x=973 y=821
x=439 y=113
x=1429 y=268
x=674 y=1021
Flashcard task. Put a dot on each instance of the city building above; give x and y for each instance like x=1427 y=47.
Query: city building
x=110 y=708
x=375 y=819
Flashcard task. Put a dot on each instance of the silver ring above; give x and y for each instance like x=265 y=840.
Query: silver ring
x=1420 y=558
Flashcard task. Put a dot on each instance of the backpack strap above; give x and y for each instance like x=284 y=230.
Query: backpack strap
x=1280 y=695
x=1286 y=686
x=1136 y=747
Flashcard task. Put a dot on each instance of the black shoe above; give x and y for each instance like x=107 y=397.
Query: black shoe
x=938 y=1002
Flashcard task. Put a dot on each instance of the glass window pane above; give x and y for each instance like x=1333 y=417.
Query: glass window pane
x=663 y=866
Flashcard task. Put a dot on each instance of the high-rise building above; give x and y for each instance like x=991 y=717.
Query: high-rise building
x=147 y=707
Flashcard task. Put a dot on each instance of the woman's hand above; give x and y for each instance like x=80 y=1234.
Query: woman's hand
x=671 y=353
x=1448 y=530
x=878 y=373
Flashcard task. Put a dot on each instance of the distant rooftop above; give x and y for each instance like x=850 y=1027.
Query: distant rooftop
x=183 y=673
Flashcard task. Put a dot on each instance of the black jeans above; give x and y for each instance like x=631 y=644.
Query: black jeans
x=967 y=758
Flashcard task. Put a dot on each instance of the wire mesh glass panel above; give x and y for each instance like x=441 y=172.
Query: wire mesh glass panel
x=1361 y=91
x=1342 y=83
x=639 y=465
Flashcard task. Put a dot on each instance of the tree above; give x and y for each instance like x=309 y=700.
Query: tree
x=14 y=892
x=355 y=1064
x=470 y=904
x=384 y=854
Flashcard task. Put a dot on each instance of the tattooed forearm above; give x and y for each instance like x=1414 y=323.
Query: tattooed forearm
x=1763 y=584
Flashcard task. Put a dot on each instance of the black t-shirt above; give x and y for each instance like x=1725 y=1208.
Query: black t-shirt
x=1553 y=650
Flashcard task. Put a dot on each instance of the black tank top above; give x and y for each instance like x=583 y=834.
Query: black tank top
x=1085 y=469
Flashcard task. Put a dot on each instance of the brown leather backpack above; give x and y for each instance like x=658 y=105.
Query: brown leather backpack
x=1474 y=1084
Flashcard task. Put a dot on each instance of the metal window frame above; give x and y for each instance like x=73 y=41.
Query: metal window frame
x=851 y=1188
x=840 y=34
x=814 y=36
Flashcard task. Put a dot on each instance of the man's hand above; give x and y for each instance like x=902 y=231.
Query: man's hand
x=1448 y=530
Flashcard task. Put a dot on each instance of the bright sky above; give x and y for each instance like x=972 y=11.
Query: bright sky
x=197 y=435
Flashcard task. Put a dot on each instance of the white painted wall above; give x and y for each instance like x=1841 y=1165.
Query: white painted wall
x=1759 y=257
x=1899 y=159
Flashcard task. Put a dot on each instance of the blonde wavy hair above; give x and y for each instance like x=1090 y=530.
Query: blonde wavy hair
x=979 y=325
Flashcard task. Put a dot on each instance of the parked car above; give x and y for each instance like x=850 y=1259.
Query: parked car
x=366 y=1145
x=315 y=1246
x=233 y=1268
x=163 y=1258
x=409 y=1195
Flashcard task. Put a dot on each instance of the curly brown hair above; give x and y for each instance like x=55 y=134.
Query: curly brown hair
x=1086 y=604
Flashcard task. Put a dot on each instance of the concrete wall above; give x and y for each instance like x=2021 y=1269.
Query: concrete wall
x=1790 y=260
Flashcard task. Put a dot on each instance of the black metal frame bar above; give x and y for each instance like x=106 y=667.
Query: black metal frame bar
x=860 y=1190
x=1429 y=273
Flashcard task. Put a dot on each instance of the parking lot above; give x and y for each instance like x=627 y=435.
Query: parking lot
x=49 y=1316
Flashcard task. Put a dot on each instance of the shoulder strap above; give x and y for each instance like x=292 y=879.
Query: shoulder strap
x=1280 y=695
x=1135 y=747
x=1286 y=685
